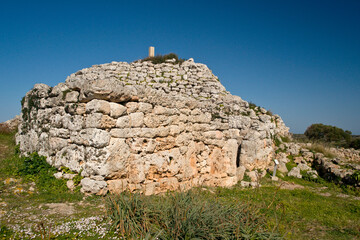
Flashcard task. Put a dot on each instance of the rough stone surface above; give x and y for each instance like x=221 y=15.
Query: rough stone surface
x=149 y=128
x=295 y=172
x=12 y=124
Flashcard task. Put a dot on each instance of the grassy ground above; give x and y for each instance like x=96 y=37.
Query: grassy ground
x=296 y=208
x=304 y=210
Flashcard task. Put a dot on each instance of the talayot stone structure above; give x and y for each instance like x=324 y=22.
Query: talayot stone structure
x=148 y=128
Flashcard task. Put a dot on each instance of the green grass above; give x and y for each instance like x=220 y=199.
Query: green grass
x=291 y=164
x=162 y=58
x=303 y=213
x=195 y=214
x=33 y=168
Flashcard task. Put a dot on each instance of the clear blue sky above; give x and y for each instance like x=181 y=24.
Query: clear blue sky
x=300 y=59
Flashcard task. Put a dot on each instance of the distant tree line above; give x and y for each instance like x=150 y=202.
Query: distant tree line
x=331 y=134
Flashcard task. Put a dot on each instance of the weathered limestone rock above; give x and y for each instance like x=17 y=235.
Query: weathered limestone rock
x=148 y=128
x=295 y=172
x=282 y=167
x=12 y=124
x=92 y=186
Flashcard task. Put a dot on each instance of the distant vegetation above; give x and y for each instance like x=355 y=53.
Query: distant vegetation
x=327 y=133
x=355 y=143
x=162 y=59
x=331 y=135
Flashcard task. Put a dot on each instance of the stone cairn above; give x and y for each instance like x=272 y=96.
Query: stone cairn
x=147 y=127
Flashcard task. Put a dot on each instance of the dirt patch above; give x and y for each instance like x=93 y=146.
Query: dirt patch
x=3 y=151
x=325 y=194
x=290 y=186
x=60 y=208
x=343 y=195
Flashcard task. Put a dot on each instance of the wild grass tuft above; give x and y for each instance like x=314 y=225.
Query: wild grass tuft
x=321 y=148
x=162 y=58
x=185 y=215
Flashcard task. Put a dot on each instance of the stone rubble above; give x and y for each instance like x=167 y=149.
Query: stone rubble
x=149 y=128
x=340 y=169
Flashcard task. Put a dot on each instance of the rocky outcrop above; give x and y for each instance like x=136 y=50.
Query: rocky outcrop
x=12 y=124
x=342 y=168
x=147 y=127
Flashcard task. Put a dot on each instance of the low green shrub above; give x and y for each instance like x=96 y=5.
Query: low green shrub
x=327 y=133
x=355 y=143
x=285 y=139
x=5 y=232
x=162 y=59
x=185 y=215
x=35 y=168
x=355 y=177
x=277 y=141
x=291 y=164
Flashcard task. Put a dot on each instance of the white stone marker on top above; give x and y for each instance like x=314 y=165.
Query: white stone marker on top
x=151 y=51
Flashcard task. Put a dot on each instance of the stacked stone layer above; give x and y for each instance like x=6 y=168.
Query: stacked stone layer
x=147 y=127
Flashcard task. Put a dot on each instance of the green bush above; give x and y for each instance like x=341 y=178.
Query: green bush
x=327 y=133
x=291 y=164
x=162 y=58
x=355 y=143
x=252 y=105
x=5 y=232
x=35 y=168
x=185 y=215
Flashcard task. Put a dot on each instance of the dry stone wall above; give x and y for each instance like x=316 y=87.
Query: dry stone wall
x=147 y=127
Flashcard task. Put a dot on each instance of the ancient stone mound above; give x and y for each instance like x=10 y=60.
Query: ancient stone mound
x=147 y=127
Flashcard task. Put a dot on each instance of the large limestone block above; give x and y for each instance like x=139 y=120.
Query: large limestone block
x=154 y=121
x=56 y=144
x=132 y=107
x=98 y=106
x=145 y=107
x=105 y=89
x=99 y=120
x=117 y=186
x=92 y=186
x=91 y=137
x=118 y=159
x=72 y=97
x=99 y=155
x=41 y=90
x=123 y=122
x=160 y=110
x=117 y=110
x=71 y=156
x=231 y=152
x=73 y=123
x=213 y=134
x=136 y=119
x=171 y=184
x=282 y=167
x=122 y=133
x=151 y=188
x=295 y=172
x=58 y=90
x=201 y=118
x=239 y=122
